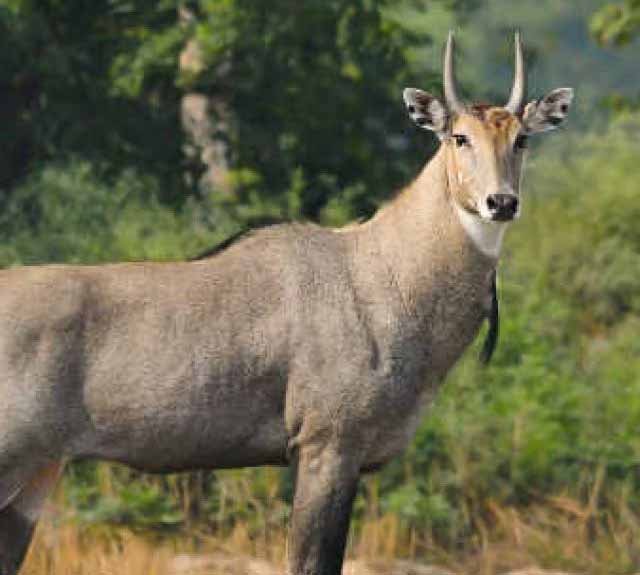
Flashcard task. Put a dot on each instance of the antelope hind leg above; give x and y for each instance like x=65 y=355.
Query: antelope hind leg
x=18 y=519
x=326 y=484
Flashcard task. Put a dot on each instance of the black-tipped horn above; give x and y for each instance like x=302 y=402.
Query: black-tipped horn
x=450 y=94
x=519 y=91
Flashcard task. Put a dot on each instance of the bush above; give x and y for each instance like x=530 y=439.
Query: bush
x=72 y=212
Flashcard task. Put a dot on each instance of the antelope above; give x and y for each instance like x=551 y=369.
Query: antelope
x=296 y=344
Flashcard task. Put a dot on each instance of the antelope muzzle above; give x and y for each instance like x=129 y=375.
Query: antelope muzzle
x=502 y=207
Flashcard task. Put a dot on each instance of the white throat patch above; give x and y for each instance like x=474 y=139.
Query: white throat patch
x=486 y=236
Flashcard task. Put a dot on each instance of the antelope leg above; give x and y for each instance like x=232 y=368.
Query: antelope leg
x=18 y=519
x=326 y=484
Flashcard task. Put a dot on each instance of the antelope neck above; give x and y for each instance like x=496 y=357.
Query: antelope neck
x=426 y=241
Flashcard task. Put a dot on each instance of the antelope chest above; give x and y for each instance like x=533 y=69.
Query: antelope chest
x=395 y=432
x=416 y=365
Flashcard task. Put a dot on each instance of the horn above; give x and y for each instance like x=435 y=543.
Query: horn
x=519 y=90
x=450 y=95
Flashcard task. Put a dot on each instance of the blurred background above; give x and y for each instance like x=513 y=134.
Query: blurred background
x=149 y=129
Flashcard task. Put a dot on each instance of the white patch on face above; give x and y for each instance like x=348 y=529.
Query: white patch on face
x=486 y=235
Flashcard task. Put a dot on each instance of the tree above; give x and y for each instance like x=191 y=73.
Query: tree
x=314 y=91
x=61 y=93
x=315 y=127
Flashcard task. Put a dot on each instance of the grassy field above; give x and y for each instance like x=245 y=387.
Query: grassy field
x=559 y=532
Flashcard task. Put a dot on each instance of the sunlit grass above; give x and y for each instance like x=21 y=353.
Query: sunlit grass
x=557 y=532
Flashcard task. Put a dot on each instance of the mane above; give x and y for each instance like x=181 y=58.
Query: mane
x=243 y=234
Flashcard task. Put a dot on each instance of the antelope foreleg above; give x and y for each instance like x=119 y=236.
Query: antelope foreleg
x=16 y=532
x=19 y=518
x=326 y=484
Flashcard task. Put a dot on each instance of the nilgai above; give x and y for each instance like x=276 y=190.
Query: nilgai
x=294 y=345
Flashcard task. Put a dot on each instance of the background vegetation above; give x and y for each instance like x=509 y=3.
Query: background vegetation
x=536 y=458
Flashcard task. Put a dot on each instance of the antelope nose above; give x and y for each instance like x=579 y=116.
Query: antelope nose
x=502 y=207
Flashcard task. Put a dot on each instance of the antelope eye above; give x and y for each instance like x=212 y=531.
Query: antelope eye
x=522 y=142
x=461 y=140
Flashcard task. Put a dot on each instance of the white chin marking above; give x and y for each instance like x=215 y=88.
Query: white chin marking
x=485 y=235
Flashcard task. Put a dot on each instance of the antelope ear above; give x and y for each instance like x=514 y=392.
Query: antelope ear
x=547 y=113
x=425 y=110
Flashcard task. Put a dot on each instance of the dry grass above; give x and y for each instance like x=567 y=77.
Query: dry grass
x=69 y=549
x=560 y=534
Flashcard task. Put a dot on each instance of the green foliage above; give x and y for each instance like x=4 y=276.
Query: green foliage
x=74 y=212
x=101 y=83
x=324 y=104
x=138 y=503
x=63 y=96
x=617 y=23
x=596 y=267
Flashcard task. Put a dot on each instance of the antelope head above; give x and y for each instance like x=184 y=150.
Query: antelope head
x=485 y=145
